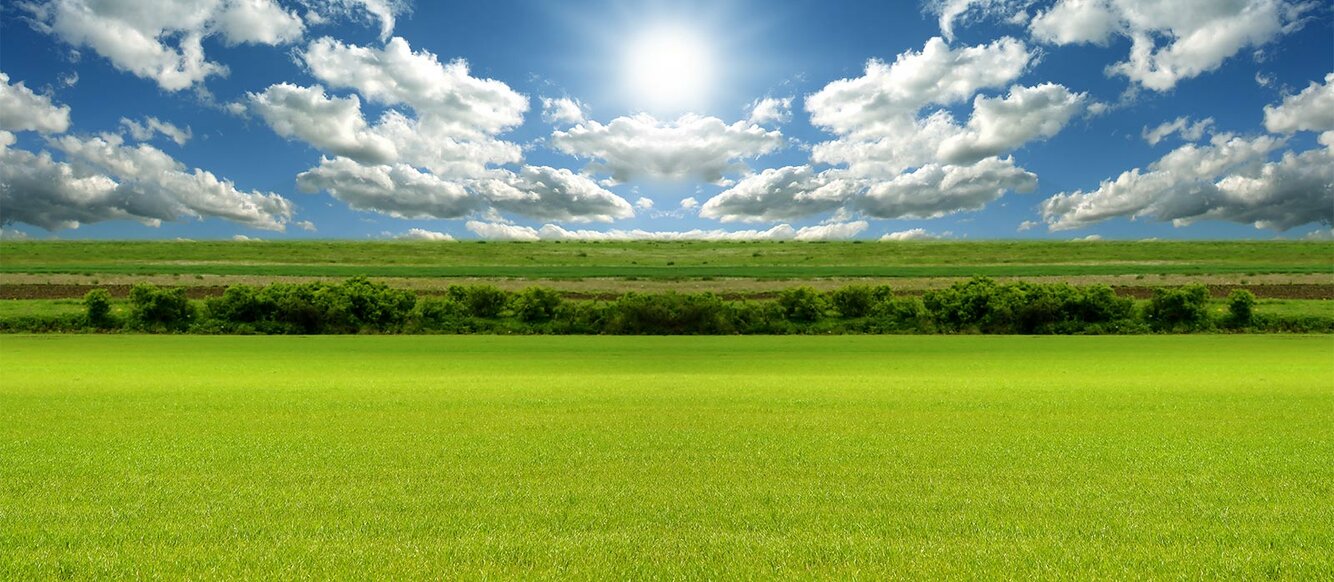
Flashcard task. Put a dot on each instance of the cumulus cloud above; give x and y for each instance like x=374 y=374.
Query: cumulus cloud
x=104 y=179
x=305 y=225
x=951 y=11
x=874 y=104
x=1183 y=126
x=398 y=190
x=779 y=194
x=440 y=161
x=771 y=110
x=23 y=110
x=562 y=110
x=644 y=203
x=1226 y=179
x=554 y=194
x=1170 y=41
x=689 y=203
x=891 y=161
x=162 y=40
x=999 y=125
x=397 y=75
x=914 y=234
x=423 y=234
x=1310 y=110
x=334 y=125
x=384 y=11
x=934 y=190
x=692 y=147
x=151 y=126
x=501 y=231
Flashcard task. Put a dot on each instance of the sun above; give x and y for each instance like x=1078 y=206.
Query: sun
x=668 y=69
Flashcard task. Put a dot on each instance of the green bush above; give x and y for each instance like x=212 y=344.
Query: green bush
x=98 y=305
x=858 y=300
x=668 y=313
x=1182 y=308
x=152 y=307
x=483 y=301
x=982 y=305
x=536 y=305
x=1241 y=308
x=801 y=304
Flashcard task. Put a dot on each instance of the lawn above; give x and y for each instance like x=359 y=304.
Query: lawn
x=665 y=260
x=479 y=457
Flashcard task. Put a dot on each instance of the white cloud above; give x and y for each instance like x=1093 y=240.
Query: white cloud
x=891 y=163
x=1076 y=21
x=23 y=110
x=385 y=11
x=423 y=234
x=644 y=203
x=398 y=190
x=690 y=148
x=440 y=164
x=831 y=231
x=1028 y=225
x=151 y=126
x=689 y=203
x=952 y=11
x=305 y=225
x=1198 y=35
x=1310 y=110
x=554 y=194
x=874 y=104
x=162 y=40
x=334 y=125
x=934 y=190
x=771 y=110
x=914 y=234
x=779 y=194
x=396 y=75
x=1189 y=131
x=244 y=238
x=498 y=231
x=562 y=110
x=1089 y=238
x=1001 y=125
x=1226 y=179
x=104 y=179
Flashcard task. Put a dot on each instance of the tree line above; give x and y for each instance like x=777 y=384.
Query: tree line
x=359 y=305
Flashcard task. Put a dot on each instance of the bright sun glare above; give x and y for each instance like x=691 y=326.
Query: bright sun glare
x=668 y=69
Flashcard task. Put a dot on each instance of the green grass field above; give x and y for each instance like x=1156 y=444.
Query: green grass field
x=657 y=260
x=1195 y=457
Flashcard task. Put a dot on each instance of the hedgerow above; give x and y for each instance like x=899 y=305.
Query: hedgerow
x=360 y=305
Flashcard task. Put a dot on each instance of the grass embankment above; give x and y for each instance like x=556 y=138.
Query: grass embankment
x=667 y=260
x=473 y=457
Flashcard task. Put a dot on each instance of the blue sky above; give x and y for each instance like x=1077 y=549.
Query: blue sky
x=975 y=119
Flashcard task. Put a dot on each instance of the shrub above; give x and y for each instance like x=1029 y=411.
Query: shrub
x=1241 y=308
x=901 y=314
x=858 y=300
x=668 y=313
x=156 y=308
x=536 y=304
x=1183 y=308
x=801 y=304
x=98 y=304
x=483 y=301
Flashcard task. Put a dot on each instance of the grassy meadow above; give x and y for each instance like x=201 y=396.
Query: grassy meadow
x=672 y=260
x=593 y=457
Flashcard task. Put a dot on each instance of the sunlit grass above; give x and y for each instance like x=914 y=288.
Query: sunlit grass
x=873 y=457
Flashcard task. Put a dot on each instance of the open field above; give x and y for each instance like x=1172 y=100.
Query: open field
x=669 y=260
x=875 y=457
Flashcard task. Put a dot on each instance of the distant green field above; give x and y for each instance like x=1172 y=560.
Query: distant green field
x=1197 y=457
x=667 y=259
